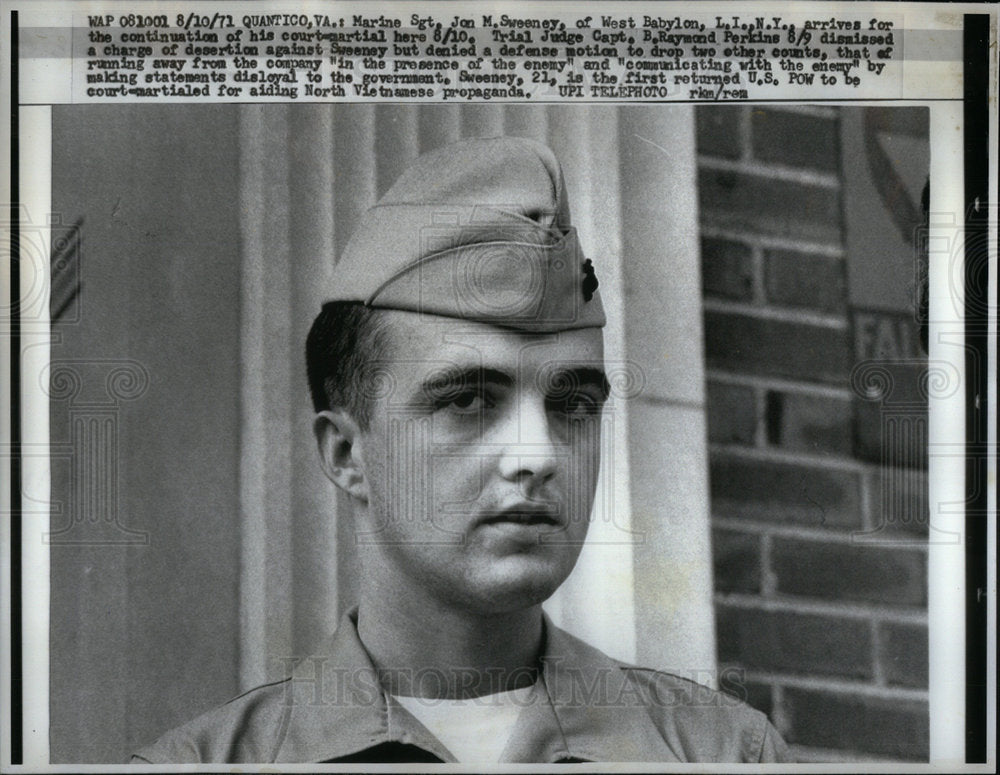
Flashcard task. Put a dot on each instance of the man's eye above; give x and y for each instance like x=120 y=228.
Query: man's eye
x=467 y=401
x=580 y=405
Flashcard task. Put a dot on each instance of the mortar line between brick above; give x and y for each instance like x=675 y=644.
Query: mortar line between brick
x=768 y=581
x=827 y=180
x=867 y=502
x=774 y=455
x=757 y=262
x=760 y=408
x=795 y=316
x=828 y=249
x=856 y=611
x=878 y=671
x=777 y=383
x=801 y=532
x=839 y=686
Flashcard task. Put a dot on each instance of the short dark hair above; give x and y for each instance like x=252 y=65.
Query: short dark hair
x=345 y=342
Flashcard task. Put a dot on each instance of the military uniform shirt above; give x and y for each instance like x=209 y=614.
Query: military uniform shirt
x=584 y=707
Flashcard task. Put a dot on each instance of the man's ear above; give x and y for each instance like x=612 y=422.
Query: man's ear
x=337 y=435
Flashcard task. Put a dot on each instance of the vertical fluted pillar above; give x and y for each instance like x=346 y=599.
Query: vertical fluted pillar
x=667 y=427
x=265 y=384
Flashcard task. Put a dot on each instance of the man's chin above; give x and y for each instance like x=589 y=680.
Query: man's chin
x=517 y=582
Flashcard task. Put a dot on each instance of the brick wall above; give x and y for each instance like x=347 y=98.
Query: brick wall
x=826 y=619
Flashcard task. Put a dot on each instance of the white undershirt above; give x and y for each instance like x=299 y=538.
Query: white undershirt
x=474 y=730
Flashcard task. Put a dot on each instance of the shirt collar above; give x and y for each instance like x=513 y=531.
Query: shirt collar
x=583 y=708
x=337 y=706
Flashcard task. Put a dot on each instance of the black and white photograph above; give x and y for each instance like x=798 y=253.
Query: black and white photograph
x=495 y=432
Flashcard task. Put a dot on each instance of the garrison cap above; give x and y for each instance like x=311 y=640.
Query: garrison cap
x=477 y=230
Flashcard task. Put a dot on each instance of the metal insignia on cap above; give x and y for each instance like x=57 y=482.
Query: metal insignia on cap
x=590 y=282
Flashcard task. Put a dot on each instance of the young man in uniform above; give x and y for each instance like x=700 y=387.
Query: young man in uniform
x=457 y=373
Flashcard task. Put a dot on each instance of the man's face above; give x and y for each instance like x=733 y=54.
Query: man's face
x=481 y=459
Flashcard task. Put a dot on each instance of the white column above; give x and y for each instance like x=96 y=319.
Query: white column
x=265 y=395
x=312 y=256
x=946 y=461
x=667 y=426
x=35 y=196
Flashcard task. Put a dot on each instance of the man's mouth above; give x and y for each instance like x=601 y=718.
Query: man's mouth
x=525 y=514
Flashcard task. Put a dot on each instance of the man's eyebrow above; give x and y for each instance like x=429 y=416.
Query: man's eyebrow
x=450 y=378
x=582 y=375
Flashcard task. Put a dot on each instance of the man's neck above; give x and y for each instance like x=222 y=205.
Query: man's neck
x=434 y=652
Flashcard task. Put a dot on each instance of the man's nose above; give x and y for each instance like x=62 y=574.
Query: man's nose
x=530 y=455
